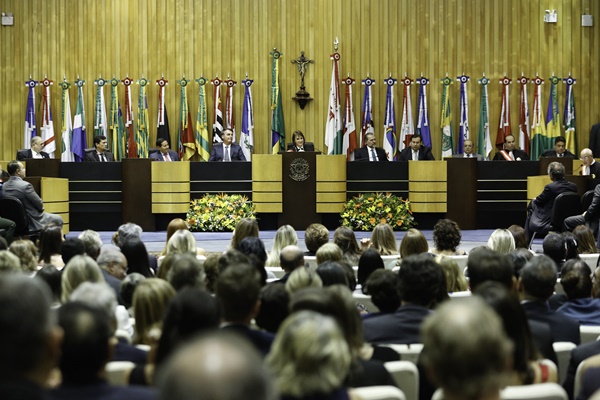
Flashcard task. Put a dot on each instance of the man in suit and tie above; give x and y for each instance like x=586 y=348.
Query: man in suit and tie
x=227 y=151
x=468 y=150
x=100 y=154
x=164 y=153
x=37 y=144
x=369 y=152
x=510 y=153
x=589 y=165
x=590 y=217
x=416 y=151
x=560 y=149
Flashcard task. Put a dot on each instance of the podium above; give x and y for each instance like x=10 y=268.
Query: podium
x=137 y=192
x=299 y=186
x=462 y=191
x=48 y=167
x=545 y=161
x=170 y=187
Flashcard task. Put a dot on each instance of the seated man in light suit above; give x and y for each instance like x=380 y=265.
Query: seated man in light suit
x=165 y=154
x=37 y=144
x=416 y=151
x=560 y=149
x=370 y=152
x=509 y=153
x=468 y=149
x=227 y=151
x=100 y=154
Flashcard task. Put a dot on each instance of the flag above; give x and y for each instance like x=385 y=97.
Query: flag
x=569 y=115
x=333 y=126
x=47 y=124
x=538 y=127
x=349 y=143
x=79 y=135
x=67 y=124
x=229 y=120
x=162 y=125
x=247 y=135
x=552 y=115
x=218 y=122
x=390 y=144
x=202 y=138
x=446 y=118
x=423 y=118
x=407 y=127
x=524 y=138
x=504 y=125
x=484 y=142
x=367 y=111
x=100 y=119
x=30 y=130
x=132 y=151
x=277 y=122
x=116 y=127
x=463 y=132
x=141 y=137
x=185 y=136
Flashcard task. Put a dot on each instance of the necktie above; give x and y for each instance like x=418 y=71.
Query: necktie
x=373 y=155
x=102 y=157
x=560 y=155
x=167 y=158
x=226 y=155
x=415 y=155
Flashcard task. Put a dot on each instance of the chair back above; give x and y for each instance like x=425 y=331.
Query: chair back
x=311 y=261
x=586 y=200
x=539 y=391
x=408 y=352
x=563 y=356
x=117 y=372
x=390 y=261
x=590 y=259
x=11 y=208
x=379 y=393
x=589 y=333
x=406 y=376
x=565 y=205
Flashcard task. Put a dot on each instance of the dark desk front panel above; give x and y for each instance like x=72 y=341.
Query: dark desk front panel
x=384 y=177
x=220 y=177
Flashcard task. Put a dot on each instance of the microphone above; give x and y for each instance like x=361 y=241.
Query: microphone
x=578 y=169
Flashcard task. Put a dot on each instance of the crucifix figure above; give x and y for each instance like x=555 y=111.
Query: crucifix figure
x=302 y=63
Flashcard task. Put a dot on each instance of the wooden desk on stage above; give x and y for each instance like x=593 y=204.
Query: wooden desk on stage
x=55 y=195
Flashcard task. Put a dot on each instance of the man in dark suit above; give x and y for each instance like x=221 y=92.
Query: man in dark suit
x=510 y=153
x=560 y=149
x=37 y=144
x=416 y=151
x=227 y=151
x=536 y=284
x=578 y=354
x=164 y=153
x=101 y=154
x=589 y=165
x=370 y=152
x=23 y=190
x=590 y=217
x=468 y=151
x=420 y=279
x=595 y=138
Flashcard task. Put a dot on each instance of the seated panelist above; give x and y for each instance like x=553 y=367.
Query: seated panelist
x=227 y=151
x=164 y=153
x=560 y=149
x=468 y=151
x=416 y=151
x=510 y=153
x=299 y=143
x=37 y=144
x=369 y=152
x=99 y=154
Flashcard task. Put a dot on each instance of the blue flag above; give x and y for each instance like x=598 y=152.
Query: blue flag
x=30 y=130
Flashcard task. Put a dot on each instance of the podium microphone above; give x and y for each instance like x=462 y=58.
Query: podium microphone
x=578 y=169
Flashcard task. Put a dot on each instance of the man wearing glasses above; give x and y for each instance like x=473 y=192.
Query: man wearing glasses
x=589 y=165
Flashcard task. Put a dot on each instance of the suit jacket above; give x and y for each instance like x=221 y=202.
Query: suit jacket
x=158 y=156
x=262 y=341
x=586 y=311
x=516 y=153
x=92 y=156
x=362 y=154
x=595 y=139
x=563 y=328
x=593 y=212
x=22 y=190
x=552 y=153
x=594 y=169
x=543 y=339
x=101 y=390
x=539 y=220
x=25 y=154
x=235 y=152
x=308 y=146
x=424 y=154
x=578 y=354
x=402 y=326
x=478 y=156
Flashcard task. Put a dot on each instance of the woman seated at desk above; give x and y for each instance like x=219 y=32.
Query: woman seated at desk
x=299 y=143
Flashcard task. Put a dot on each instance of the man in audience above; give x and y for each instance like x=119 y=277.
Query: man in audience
x=510 y=153
x=290 y=258
x=554 y=247
x=37 y=144
x=29 y=338
x=23 y=190
x=92 y=242
x=535 y=286
x=420 y=280
x=185 y=271
x=485 y=264
x=560 y=149
x=101 y=154
x=576 y=280
x=85 y=351
x=315 y=236
x=370 y=152
x=579 y=354
x=70 y=248
x=217 y=366
x=114 y=269
x=416 y=151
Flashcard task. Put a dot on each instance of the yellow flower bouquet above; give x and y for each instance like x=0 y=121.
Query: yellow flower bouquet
x=218 y=212
x=369 y=209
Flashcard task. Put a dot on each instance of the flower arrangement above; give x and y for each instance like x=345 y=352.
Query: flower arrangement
x=218 y=212
x=369 y=209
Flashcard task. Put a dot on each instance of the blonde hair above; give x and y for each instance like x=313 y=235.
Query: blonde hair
x=455 y=280
x=329 y=252
x=150 y=301
x=285 y=236
x=302 y=278
x=383 y=240
x=79 y=269
x=175 y=225
x=26 y=251
x=182 y=242
x=501 y=241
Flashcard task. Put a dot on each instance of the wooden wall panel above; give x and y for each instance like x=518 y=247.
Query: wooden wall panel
x=208 y=37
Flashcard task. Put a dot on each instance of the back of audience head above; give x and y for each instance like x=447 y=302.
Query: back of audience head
x=332 y=273
x=285 y=236
x=345 y=239
x=173 y=226
x=274 y=301
x=501 y=241
x=246 y=227
x=520 y=257
x=186 y=271
x=369 y=261
x=49 y=242
x=554 y=246
x=127 y=232
x=455 y=280
x=466 y=351
x=571 y=245
x=420 y=280
x=26 y=251
x=518 y=234
x=382 y=286
x=150 y=300
x=114 y=262
x=538 y=278
x=101 y=296
x=205 y=369
x=137 y=257
x=413 y=243
x=254 y=248
x=446 y=235
x=52 y=276
x=92 y=242
x=328 y=252
x=211 y=269
x=182 y=241
x=238 y=291
x=302 y=278
x=383 y=240
x=80 y=269
x=315 y=236
x=586 y=243
x=128 y=286
x=576 y=279
x=71 y=247
x=485 y=264
x=9 y=263
x=290 y=258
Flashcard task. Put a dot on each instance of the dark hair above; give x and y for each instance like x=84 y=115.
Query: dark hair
x=519 y=257
x=413 y=243
x=417 y=137
x=185 y=271
x=576 y=279
x=332 y=273
x=49 y=242
x=571 y=245
x=296 y=134
x=273 y=307
x=420 y=280
x=369 y=262
x=586 y=243
x=446 y=235
x=254 y=249
x=382 y=286
x=98 y=139
x=538 y=277
x=345 y=239
x=211 y=269
x=159 y=141
x=519 y=235
x=244 y=228
x=485 y=264
x=70 y=248
x=52 y=276
x=559 y=139
x=12 y=167
x=238 y=288
x=128 y=286
x=135 y=252
x=554 y=246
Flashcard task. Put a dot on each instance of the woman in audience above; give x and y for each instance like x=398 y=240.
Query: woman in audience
x=52 y=276
x=501 y=241
x=446 y=238
x=211 y=269
x=246 y=227
x=369 y=262
x=26 y=251
x=302 y=278
x=572 y=246
x=285 y=236
x=182 y=241
x=586 y=243
x=346 y=240
x=310 y=358
x=413 y=243
x=128 y=286
x=332 y=273
x=254 y=248
x=51 y=238
x=135 y=252
x=329 y=252
x=519 y=235
x=273 y=307
x=150 y=300
x=79 y=269
x=383 y=240
x=382 y=286
x=455 y=280
x=175 y=225
x=520 y=257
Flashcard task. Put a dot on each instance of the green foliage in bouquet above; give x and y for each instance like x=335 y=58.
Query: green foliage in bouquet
x=369 y=209
x=218 y=212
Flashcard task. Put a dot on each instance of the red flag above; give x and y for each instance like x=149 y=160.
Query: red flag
x=131 y=144
x=504 y=125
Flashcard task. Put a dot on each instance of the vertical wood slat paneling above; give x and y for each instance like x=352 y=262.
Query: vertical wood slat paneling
x=192 y=37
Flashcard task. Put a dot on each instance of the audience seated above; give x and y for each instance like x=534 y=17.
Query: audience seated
x=518 y=233
x=71 y=247
x=113 y=265
x=302 y=278
x=174 y=225
x=586 y=243
x=520 y=256
x=578 y=355
x=246 y=227
x=254 y=248
x=150 y=300
x=137 y=257
x=332 y=273
x=485 y=264
x=329 y=252
x=369 y=261
x=131 y=231
x=455 y=280
x=290 y=258
x=26 y=251
x=413 y=243
x=186 y=271
x=383 y=240
x=128 y=286
x=315 y=236
x=52 y=276
x=274 y=302
x=345 y=239
x=80 y=269
x=502 y=241
x=92 y=242
x=446 y=238
x=572 y=251
x=9 y=263
x=576 y=280
x=554 y=246
x=182 y=241
x=211 y=269
x=382 y=286
x=285 y=236
x=49 y=243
